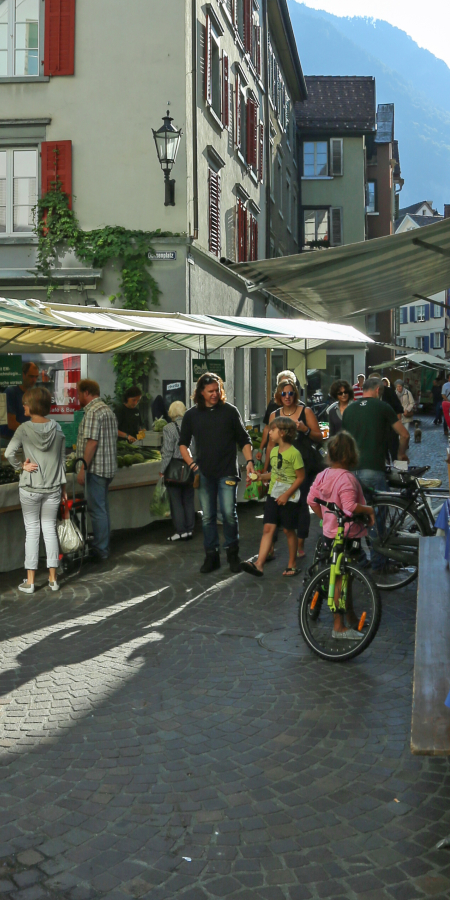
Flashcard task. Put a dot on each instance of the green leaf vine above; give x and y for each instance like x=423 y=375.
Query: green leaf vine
x=58 y=230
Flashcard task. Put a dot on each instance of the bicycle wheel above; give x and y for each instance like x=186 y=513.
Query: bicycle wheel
x=395 y=537
x=317 y=630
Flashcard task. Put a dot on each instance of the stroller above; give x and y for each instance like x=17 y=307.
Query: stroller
x=75 y=510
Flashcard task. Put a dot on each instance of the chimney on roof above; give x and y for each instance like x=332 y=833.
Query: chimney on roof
x=446 y=210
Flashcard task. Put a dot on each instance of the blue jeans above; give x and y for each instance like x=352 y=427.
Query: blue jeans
x=372 y=480
x=211 y=490
x=98 y=508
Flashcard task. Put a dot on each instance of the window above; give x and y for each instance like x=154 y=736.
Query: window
x=420 y=342
x=371 y=321
x=315 y=159
x=404 y=315
x=401 y=341
x=316 y=226
x=252 y=238
x=437 y=340
x=18 y=190
x=420 y=313
x=19 y=37
x=214 y=241
x=252 y=134
x=216 y=72
x=371 y=197
x=437 y=311
x=277 y=90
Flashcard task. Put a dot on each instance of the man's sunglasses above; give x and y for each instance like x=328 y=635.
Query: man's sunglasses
x=287 y=393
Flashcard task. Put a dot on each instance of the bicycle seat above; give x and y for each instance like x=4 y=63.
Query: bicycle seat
x=407 y=476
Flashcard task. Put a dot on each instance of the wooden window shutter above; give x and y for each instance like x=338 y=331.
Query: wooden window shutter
x=258 y=49
x=237 y=90
x=208 y=61
x=336 y=226
x=59 y=37
x=214 y=212
x=225 y=91
x=336 y=156
x=241 y=232
x=56 y=166
x=426 y=343
x=251 y=134
x=432 y=342
x=412 y=313
x=248 y=25
x=261 y=153
x=253 y=230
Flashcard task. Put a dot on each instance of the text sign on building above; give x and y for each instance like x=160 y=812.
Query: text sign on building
x=163 y=254
x=10 y=369
x=200 y=366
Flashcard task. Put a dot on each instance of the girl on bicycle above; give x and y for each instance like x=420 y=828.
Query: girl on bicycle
x=281 y=507
x=338 y=485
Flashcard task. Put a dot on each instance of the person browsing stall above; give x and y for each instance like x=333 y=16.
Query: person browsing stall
x=218 y=430
x=14 y=398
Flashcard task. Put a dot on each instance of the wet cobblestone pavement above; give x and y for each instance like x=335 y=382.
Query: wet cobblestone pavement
x=168 y=735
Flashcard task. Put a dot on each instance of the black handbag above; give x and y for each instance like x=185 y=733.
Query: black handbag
x=178 y=471
x=312 y=457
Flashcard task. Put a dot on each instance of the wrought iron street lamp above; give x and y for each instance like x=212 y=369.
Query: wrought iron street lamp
x=167 y=140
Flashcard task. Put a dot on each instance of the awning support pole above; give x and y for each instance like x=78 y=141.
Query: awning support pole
x=436 y=302
x=432 y=247
x=205 y=348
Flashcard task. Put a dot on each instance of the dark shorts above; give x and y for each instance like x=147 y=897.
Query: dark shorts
x=285 y=516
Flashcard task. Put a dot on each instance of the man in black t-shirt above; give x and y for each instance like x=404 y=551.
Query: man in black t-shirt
x=218 y=430
x=129 y=416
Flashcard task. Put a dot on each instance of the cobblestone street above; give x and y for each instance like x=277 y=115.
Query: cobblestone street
x=169 y=735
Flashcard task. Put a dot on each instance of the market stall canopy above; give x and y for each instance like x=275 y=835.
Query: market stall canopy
x=33 y=327
x=416 y=359
x=358 y=278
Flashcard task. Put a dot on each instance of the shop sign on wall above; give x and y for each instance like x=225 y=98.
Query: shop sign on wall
x=163 y=254
x=200 y=366
x=10 y=369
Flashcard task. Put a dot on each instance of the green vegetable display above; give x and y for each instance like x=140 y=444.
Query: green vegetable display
x=159 y=424
x=8 y=475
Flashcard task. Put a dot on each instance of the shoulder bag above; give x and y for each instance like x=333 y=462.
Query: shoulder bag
x=311 y=454
x=178 y=471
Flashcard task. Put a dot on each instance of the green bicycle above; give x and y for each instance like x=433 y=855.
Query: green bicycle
x=340 y=607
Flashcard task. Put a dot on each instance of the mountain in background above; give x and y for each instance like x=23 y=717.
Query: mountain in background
x=412 y=78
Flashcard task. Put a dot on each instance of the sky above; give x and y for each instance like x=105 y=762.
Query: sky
x=428 y=23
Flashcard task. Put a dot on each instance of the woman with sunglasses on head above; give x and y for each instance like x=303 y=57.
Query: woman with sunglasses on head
x=308 y=436
x=342 y=394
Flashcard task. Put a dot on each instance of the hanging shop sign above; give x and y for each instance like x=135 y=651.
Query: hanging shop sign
x=200 y=366
x=10 y=369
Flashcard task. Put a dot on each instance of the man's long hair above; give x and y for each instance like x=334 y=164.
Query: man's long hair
x=203 y=381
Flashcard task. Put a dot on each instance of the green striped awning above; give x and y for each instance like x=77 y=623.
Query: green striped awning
x=358 y=278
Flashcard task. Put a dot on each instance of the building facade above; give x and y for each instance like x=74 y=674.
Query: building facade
x=229 y=73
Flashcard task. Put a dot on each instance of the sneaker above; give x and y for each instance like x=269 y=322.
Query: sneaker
x=53 y=585
x=187 y=536
x=26 y=588
x=174 y=537
x=349 y=635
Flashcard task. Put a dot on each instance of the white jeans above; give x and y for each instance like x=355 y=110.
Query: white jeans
x=40 y=509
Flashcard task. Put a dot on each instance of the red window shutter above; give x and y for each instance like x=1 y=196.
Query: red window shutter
x=56 y=166
x=261 y=153
x=208 y=61
x=59 y=37
x=214 y=212
x=255 y=239
x=251 y=134
x=258 y=49
x=225 y=91
x=237 y=90
x=248 y=24
x=242 y=238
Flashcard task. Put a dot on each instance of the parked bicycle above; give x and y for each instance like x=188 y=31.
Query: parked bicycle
x=402 y=515
x=339 y=587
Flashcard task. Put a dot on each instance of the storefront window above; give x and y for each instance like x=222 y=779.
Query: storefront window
x=59 y=373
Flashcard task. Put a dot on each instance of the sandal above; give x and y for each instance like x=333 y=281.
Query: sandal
x=291 y=572
x=251 y=569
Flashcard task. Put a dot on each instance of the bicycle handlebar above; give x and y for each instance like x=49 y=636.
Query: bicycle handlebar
x=339 y=513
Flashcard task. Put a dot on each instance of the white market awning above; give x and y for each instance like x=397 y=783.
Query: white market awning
x=417 y=358
x=79 y=329
x=361 y=278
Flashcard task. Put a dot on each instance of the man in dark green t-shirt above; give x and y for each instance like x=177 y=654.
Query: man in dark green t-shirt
x=369 y=421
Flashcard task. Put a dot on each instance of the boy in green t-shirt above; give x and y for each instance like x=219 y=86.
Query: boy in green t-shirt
x=281 y=508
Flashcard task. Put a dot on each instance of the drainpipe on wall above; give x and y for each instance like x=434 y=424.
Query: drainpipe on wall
x=194 y=118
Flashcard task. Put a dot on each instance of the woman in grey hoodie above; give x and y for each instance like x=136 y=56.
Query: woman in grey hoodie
x=42 y=482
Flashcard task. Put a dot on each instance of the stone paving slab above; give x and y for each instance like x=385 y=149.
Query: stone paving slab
x=165 y=734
